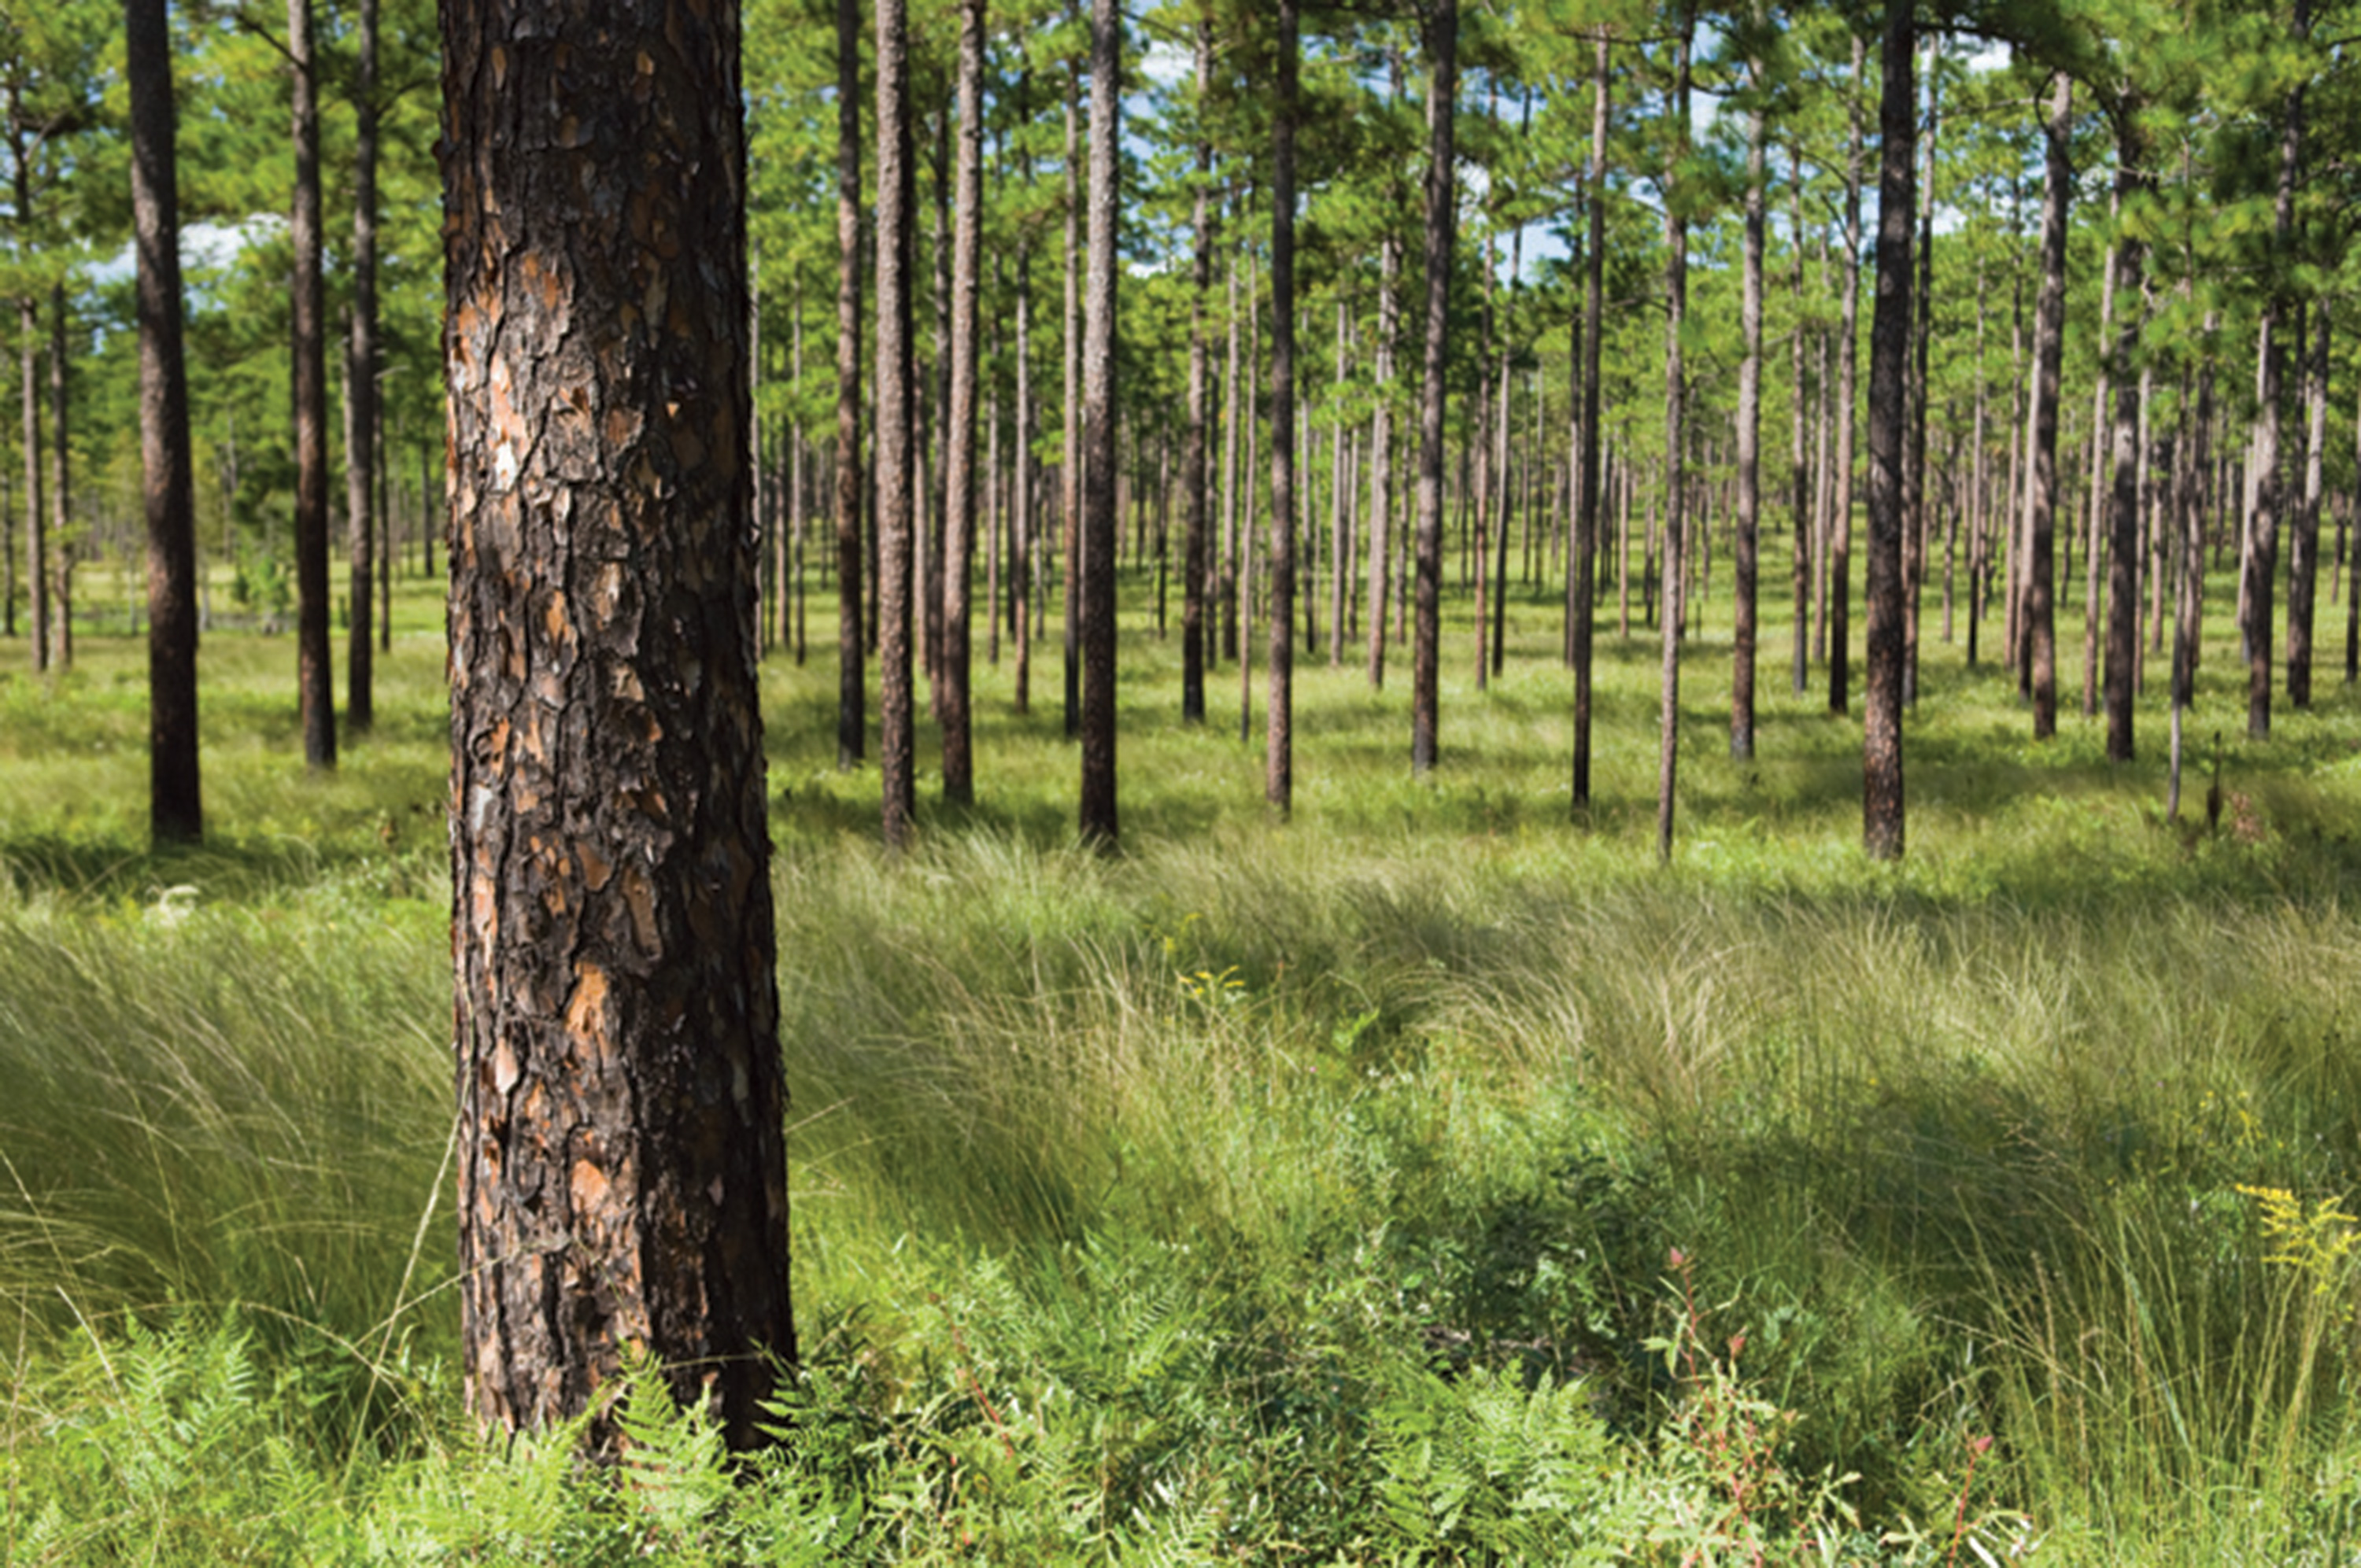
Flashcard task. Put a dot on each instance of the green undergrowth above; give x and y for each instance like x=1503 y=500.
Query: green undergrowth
x=1428 y=1179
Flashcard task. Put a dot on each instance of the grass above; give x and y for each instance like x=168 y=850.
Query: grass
x=1292 y=1191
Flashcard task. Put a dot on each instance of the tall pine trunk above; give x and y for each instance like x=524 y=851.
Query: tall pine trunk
x=899 y=505
x=2132 y=182
x=175 y=811
x=314 y=679
x=2048 y=357
x=1587 y=509
x=852 y=641
x=1676 y=289
x=1882 y=786
x=1098 y=821
x=1848 y=400
x=1442 y=224
x=360 y=398
x=1194 y=465
x=1749 y=439
x=622 y=1174
x=958 y=466
x=1279 y=758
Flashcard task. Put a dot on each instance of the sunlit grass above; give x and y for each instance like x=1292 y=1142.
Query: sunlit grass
x=1959 y=1141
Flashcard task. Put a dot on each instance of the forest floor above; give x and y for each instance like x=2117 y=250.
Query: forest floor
x=1431 y=1178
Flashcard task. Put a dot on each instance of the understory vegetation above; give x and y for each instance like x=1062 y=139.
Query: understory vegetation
x=1429 y=1178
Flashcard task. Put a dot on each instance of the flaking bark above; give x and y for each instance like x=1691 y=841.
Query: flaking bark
x=623 y=1178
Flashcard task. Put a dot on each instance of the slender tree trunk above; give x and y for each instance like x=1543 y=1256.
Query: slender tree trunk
x=1279 y=756
x=2132 y=183
x=2270 y=489
x=2099 y=487
x=1750 y=440
x=1233 y=417
x=61 y=480
x=28 y=344
x=2049 y=357
x=1026 y=544
x=1587 y=503
x=1676 y=292
x=1442 y=224
x=2303 y=558
x=175 y=811
x=1340 y=573
x=361 y=400
x=1848 y=400
x=1382 y=443
x=1074 y=467
x=623 y=1180
x=959 y=438
x=852 y=641
x=314 y=679
x=1882 y=786
x=1098 y=532
x=1193 y=457
x=898 y=502
x=1799 y=494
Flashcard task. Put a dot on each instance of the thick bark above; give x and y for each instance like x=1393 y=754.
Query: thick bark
x=1442 y=224
x=959 y=469
x=1194 y=455
x=2132 y=182
x=1279 y=713
x=1750 y=440
x=2048 y=357
x=852 y=642
x=898 y=449
x=1889 y=349
x=174 y=808
x=622 y=1183
x=1848 y=400
x=2303 y=556
x=1098 y=820
x=360 y=397
x=1587 y=503
x=314 y=679
x=1676 y=293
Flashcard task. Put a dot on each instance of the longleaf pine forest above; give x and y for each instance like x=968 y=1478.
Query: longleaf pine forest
x=1179 y=780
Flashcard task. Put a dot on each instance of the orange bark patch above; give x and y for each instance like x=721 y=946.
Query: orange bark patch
x=586 y=1013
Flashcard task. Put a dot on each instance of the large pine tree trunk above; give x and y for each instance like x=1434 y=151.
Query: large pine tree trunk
x=1026 y=523
x=2049 y=357
x=852 y=641
x=1098 y=821
x=622 y=1184
x=174 y=807
x=360 y=399
x=1889 y=350
x=898 y=500
x=1442 y=224
x=1381 y=444
x=313 y=678
x=28 y=347
x=1278 y=714
x=959 y=469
